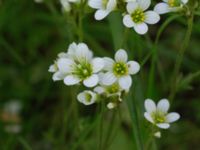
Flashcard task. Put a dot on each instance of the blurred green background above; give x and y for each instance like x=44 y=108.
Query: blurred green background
x=31 y=36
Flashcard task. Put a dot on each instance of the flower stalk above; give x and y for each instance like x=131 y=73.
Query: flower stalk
x=180 y=57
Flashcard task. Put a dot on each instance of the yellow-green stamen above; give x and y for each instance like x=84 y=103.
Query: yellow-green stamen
x=120 y=69
x=138 y=16
x=159 y=117
x=174 y=3
x=83 y=70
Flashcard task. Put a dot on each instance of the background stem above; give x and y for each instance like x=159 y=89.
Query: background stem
x=180 y=58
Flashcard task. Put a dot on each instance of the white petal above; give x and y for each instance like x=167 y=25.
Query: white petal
x=163 y=125
x=144 y=4
x=172 y=117
x=121 y=56
x=97 y=4
x=58 y=76
x=157 y=134
x=108 y=78
x=151 y=17
x=131 y=7
x=111 y=5
x=52 y=68
x=150 y=106
x=83 y=53
x=62 y=55
x=97 y=64
x=163 y=105
x=127 y=21
x=125 y=82
x=162 y=8
x=148 y=117
x=133 y=67
x=101 y=76
x=71 y=80
x=91 y=81
x=101 y=14
x=72 y=49
x=141 y=28
x=108 y=63
x=184 y=1
x=65 y=65
x=99 y=89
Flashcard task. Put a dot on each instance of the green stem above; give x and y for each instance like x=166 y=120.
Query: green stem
x=125 y=37
x=134 y=117
x=80 y=18
x=180 y=58
x=101 y=125
x=109 y=131
x=13 y=52
x=154 y=54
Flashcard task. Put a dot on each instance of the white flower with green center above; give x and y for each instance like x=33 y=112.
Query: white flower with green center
x=104 y=7
x=108 y=90
x=66 y=6
x=119 y=70
x=138 y=17
x=112 y=93
x=58 y=75
x=80 y=67
x=87 y=97
x=170 y=6
x=158 y=115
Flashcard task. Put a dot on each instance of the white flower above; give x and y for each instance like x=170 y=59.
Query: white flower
x=87 y=97
x=58 y=74
x=111 y=105
x=119 y=70
x=104 y=7
x=169 y=6
x=157 y=134
x=137 y=18
x=159 y=115
x=80 y=66
x=66 y=6
x=108 y=90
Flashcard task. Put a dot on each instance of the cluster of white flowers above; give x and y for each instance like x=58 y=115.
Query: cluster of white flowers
x=106 y=78
x=109 y=78
x=158 y=114
x=135 y=13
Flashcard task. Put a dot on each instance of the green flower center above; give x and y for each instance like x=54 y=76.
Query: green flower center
x=174 y=3
x=113 y=89
x=159 y=117
x=120 y=69
x=83 y=70
x=88 y=97
x=104 y=3
x=138 y=16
